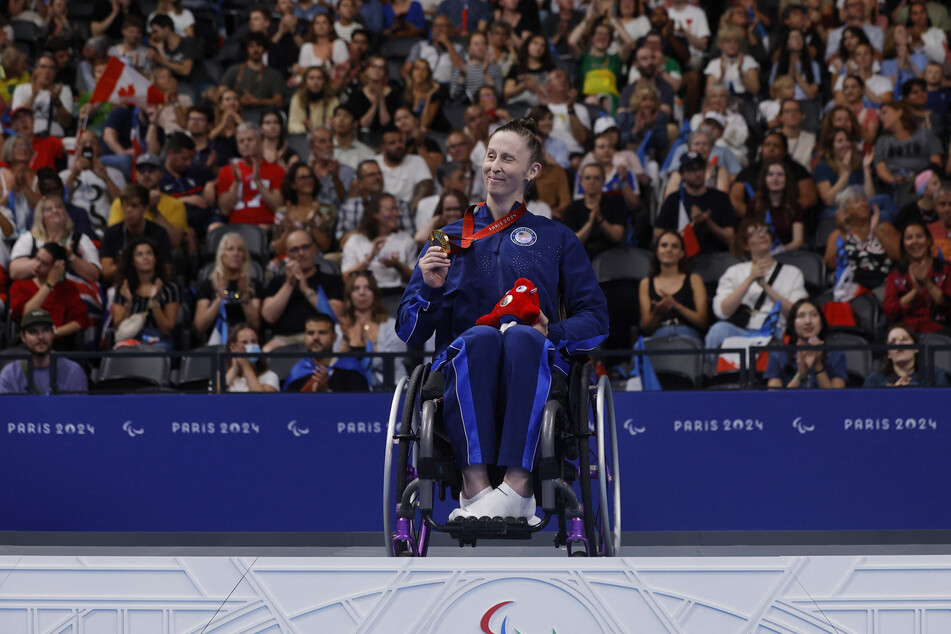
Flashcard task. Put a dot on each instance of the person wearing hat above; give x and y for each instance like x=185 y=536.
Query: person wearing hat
x=708 y=210
x=50 y=290
x=37 y=333
x=47 y=150
x=927 y=184
x=92 y=185
x=135 y=201
x=164 y=210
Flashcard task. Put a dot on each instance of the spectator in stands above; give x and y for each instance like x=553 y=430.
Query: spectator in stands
x=927 y=184
x=622 y=169
x=406 y=176
x=314 y=103
x=335 y=179
x=50 y=102
x=901 y=364
x=346 y=23
x=369 y=183
x=375 y=100
x=322 y=47
x=900 y=62
x=796 y=61
x=842 y=165
x=449 y=208
x=853 y=98
x=941 y=228
x=145 y=297
x=249 y=189
x=230 y=296
x=283 y=39
x=182 y=19
x=862 y=247
x=559 y=25
x=37 y=333
x=517 y=19
x=478 y=71
x=854 y=18
x=878 y=88
x=198 y=126
x=51 y=186
x=173 y=115
x=301 y=291
x=324 y=372
x=525 y=82
x=165 y=211
x=600 y=221
x=190 y=183
x=925 y=37
x=643 y=125
x=248 y=374
x=108 y=17
x=305 y=10
x=378 y=246
x=572 y=122
x=274 y=146
x=49 y=289
x=648 y=77
x=734 y=69
x=47 y=150
x=180 y=54
x=91 y=184
x=914 y=95
x=809 y=368
x=670 y=52
x=348 y=150
x=51 y=223
x=842 y=117
x=775 y=204
x=366 y=324
x=228 y=116
x=708 y=210
x=476 y=13
x=749 y=291
x=780 y=89
x=503 y=45
x=303 y=211
x=128 y=132
x=918 y=290
x=598 y=71
x=735 y=131
x=403 y=19
x=257 y=85
x=801 y=143
x=903 y=150
x=13 y=62
x=774 y=148
x=423 y=96
x=135 y=202
x=19 y=184
x=673 y=300
x=130 y=50
x=440 y=53
x=691 y=22
x=716 y=175
x=459 y=149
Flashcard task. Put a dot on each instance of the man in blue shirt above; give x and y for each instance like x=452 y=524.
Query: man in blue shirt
x=37 y=334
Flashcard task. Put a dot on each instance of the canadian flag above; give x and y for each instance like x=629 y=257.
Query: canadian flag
x=121 y=84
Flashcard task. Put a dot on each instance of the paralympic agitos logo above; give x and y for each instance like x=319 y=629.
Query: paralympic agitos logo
x=505 y=621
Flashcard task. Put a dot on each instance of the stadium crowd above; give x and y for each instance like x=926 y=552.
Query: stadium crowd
x=775 y=170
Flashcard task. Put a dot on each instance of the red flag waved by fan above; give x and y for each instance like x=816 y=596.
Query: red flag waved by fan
x=123 y=85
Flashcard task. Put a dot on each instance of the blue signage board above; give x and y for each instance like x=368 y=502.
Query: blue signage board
x=697 y=461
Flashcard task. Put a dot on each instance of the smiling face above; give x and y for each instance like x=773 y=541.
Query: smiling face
x=361 y=293
x=842 y=144
x=233 y=254
x=669 y=249
x=852 y=90
x=228 y=100
x=916 y=242
x=701 y=144
x=388 y=216
x=54 y=215
x=537 y=46
x=758 y=240
x=507 y=165
x=808 y=322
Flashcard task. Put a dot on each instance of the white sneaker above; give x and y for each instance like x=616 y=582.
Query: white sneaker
x=465 y=503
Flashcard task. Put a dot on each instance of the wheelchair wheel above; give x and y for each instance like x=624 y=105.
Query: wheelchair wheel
x=414 y=534
x=609 y=477
x=579 y=401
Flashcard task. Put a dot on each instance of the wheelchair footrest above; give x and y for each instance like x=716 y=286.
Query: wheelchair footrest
x=490 y=528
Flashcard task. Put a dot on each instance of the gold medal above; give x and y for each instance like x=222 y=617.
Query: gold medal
x=439 y=239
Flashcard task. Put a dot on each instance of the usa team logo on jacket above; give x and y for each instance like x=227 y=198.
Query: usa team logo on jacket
x=524 y=237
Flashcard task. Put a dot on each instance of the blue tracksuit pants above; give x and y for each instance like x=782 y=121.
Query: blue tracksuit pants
x=497 y=384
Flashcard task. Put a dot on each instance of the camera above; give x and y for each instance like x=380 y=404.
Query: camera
x=232 y=296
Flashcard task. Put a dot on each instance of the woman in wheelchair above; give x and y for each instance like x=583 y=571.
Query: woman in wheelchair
x=505 y=371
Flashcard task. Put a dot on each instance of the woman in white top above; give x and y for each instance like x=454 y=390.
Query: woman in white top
x=925 y=38
x=735 y=130
x=322 y=47
x=248 y=374
x=379 y=246
x=51 y=223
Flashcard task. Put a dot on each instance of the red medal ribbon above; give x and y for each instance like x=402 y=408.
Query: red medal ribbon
x=468 y=226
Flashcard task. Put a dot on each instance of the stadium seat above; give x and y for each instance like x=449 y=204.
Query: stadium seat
x=300 y=144
x=622 y=264
x=676 y=371
x=940 y=358
x=823 y=231
x=282 y=365
x=124 y=372
x=811 y=264
x=710 y=267
x=254 y=236
x=195 y=372
x=858 y=358
x=619 y=272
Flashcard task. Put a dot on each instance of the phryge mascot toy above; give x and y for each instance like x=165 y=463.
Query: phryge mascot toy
x=518 y=306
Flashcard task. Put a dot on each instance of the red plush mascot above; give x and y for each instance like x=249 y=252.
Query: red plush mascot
x=519 y=305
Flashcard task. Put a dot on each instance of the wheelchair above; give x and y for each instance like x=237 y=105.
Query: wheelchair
x=577 y=482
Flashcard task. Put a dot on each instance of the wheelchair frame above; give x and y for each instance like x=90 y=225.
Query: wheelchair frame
x=423 y=462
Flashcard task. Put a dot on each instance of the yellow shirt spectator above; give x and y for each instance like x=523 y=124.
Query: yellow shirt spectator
x=172 y=209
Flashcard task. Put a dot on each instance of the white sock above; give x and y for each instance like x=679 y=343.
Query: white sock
x=464 y=502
